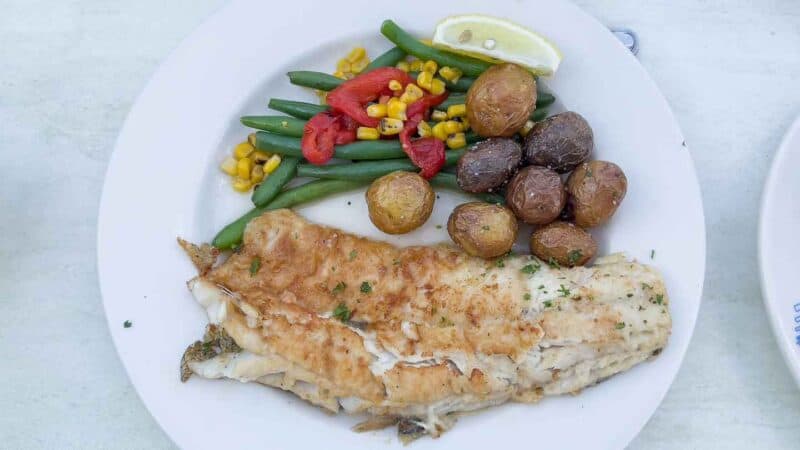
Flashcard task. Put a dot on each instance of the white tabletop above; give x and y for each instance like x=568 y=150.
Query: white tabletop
x=69 y=72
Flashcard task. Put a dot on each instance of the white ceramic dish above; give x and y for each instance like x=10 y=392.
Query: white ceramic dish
x=778 y=247
x=163 y=182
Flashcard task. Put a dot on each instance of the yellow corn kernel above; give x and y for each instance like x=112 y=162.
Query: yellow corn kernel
x=459 y=110
x=367 y=133
x=339 y=74
x=404 y=66
x=243 y=168
x=243 y=150
x=457 y=140
x=416 y=65
x=430 y=66
x=395 y=86
x=424 y=80
x=450 y=74
x=411 y=94
x=259 y=157
x=439 y=131
x=424 y=129
x=465 y=123
x=526 y=128
x=229 y=166
x=251 y=139
x=396 y=109
x=438 y=115
x=452 y=127
x=343 y=65
x=272 y=163
x=257 y=174
x=356 y=54
x=242 y=185
x=389 y=126
x=437 y=86
x=377 y=111
x=360 y=65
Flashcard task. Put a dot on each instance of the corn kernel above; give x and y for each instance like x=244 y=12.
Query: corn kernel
x=404 y=66
x=395 y=85
x=416 y=65
x=359 y=66
x=424 y=129
x=526 y=128
x=339 y=74
x=242 y=185
x=243 y=168
x=377 y=110
x=465 y=123
x=367 y=133
x=439 y=131
x=272 y=163
x=457 y=140
x=257 y=174
x=438 y=115
x=356 y=54
x=259 y=157
x=452 y=127
x=389 y=126
x=396 y=109
x=430 y=66
x=343 y=65
x=424 y=80
x=411 y=94
x=229 y=166
x=450 y=74
x=459 y=110
x=242 y=150
x=251 y=139
x=437 y=86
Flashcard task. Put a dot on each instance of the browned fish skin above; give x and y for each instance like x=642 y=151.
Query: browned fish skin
x=431 y=331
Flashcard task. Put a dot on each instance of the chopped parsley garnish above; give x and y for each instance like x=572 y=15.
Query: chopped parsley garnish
x=630 y=295
x=339 y=288
x=530 y=269
x=659 y=298
x=366 y=287
x=574 y=256
x=652 y=254
x=396 y=262
x=342 y=312
x=646 y=286
x=485 y=228
x=553 y=263
x=255 y=265
x=353 y=255
x=563 y=291
x=541 y=286
x=527 y=296
x=127 y=324
x=548 y=303
x=501 y=261
x=619 y=325
x=445 y=322
x=438 y=227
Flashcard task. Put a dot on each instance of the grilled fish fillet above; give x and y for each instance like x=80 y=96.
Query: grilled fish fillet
x=419 y=333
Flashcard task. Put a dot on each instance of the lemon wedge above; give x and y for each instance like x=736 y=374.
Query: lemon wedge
x=493 y=39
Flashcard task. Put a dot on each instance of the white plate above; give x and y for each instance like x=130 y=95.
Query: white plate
x=163 y=182
x=778 y=247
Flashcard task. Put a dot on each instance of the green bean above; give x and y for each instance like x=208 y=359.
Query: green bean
x=367 y=170
x=387 y=59
x=283 y=125
x=449 y=181
x=544 y=99
x=359 y=150
x=231 y=235
x=471 y=67
x=462 y=85
x=301 y=110
x=272 y=185
x=539 y=115
x=316 y=80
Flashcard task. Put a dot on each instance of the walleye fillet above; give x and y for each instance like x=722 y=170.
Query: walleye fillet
x=416 y=334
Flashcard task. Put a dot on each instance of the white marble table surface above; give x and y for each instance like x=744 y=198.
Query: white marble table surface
x=70 y=69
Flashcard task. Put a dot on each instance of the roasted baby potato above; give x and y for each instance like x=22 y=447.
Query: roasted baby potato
x=500 y=101
x=563 y=243
x=536 y=195
x=399 y=202
x=595 y=191
x=483 y=229
x=488 y=164
x=560 y=142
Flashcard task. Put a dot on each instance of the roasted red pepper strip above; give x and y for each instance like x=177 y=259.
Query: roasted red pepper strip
x=322 y=132
x=351 y=96
x=426 y=153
